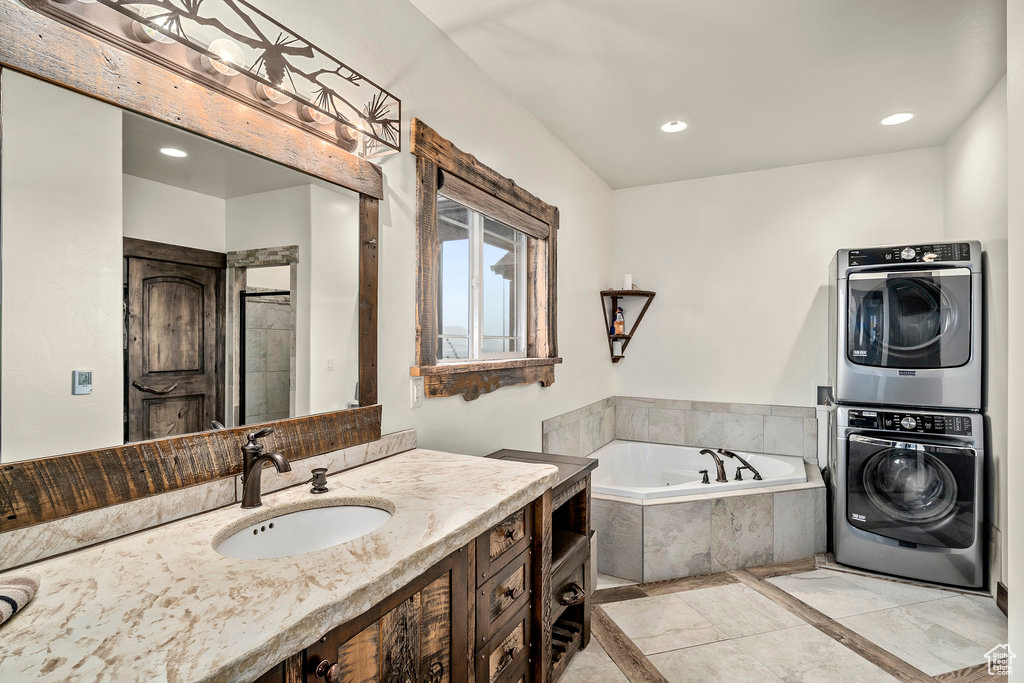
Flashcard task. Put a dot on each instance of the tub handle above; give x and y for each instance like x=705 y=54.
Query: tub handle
x=705 y=473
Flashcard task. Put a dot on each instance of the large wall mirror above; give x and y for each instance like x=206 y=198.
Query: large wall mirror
x=155 y=282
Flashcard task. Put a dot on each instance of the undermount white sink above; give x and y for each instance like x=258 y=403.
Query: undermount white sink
x=303 y=531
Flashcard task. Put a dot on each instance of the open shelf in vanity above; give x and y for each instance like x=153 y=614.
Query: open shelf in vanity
x=572 y=579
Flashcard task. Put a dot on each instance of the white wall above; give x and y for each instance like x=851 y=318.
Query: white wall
x=334 y=299
x=276 y=219
x=269 y=277
x=163 y=213
x=61 y=218
x=976 y=204
x=1015 y=328
x=739 y=266
x=398 y=47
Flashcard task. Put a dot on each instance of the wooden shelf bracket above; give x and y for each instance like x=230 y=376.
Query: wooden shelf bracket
x=609 y=316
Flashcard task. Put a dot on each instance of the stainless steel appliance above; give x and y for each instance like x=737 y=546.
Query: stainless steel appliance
x=905 y=325
x=907 y=492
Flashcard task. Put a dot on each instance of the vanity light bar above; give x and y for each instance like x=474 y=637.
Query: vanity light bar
x=234 y=48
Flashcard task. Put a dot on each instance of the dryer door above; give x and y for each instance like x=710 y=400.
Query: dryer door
x=912 y=492
x=910 y=320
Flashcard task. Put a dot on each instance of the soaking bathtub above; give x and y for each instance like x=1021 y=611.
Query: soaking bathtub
x=633 y=469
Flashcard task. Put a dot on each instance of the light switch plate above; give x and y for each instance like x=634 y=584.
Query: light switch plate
x=416 y=392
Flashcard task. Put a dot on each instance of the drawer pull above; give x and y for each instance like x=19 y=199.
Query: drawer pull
x=507 y=657
x=435 y=672
x=327 y=671
x=510 y=534
x=573 y=594
x=512 y=593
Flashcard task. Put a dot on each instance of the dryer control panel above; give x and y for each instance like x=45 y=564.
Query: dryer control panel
x=918 y=423
x=914 y=253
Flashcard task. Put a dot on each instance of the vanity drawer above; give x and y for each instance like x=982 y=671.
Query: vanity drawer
x=503 y=543
x=504 y=657
x=504 y=594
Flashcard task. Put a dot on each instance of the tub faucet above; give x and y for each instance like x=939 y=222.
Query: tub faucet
x=718 y=464
x=253 y=460
x=730 y=454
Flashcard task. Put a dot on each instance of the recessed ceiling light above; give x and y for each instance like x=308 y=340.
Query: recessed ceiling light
x=673 y=126
x=896 y=119
x=174 y=152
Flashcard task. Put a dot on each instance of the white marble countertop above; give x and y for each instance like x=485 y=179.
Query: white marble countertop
x=163 y=605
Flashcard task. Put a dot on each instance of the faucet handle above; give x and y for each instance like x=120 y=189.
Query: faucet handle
x=739 y=473
x=266 y=431
x=705 y=473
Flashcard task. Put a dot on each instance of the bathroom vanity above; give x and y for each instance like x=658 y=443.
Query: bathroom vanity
x=446 y=590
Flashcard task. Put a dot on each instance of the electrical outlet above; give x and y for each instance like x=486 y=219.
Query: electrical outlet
x=416 y=392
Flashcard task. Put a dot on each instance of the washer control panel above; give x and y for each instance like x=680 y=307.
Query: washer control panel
x=914 y=253
x=920 y=423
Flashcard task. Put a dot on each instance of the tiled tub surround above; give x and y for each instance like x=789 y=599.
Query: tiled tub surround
x=782 y=430
x=667 y=538
x=37 y=542
x=197 y=615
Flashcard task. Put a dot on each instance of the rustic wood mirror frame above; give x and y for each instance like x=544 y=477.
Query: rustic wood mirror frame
x=35 y=491
x=483 y=189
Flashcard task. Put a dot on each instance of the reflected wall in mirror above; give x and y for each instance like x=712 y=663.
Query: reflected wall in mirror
x=188 y=282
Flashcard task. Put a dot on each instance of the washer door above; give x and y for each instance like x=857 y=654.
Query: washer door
x=917 y=319
x=912 y=492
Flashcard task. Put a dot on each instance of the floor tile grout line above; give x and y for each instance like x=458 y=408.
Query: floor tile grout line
x=858 y=644
x=621 y=649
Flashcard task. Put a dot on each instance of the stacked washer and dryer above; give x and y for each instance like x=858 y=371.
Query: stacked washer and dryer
x=906 y=433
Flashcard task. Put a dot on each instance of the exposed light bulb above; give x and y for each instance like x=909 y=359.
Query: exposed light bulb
x=227 y=55
x=310 y=115
x=173 y=152
x=147 y=34
x=896 y=119
x=673 y=126
x=268 y=94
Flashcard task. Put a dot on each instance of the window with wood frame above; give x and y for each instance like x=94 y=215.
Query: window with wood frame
x=486 y=275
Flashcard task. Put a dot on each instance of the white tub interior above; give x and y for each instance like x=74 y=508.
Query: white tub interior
x=634 y=469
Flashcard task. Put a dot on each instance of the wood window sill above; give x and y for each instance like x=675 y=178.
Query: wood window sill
x=473 y=378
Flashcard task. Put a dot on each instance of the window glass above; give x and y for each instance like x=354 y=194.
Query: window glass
x=453 y=295
x=481 y=286
x=503 y=260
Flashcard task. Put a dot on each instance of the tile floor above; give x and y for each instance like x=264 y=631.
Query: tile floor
x=733 y=633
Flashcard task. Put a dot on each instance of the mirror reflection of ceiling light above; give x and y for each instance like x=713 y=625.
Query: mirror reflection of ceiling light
x=896 y=119
x=173 y=152
x=673 y=126
x=147 y=34
x=228 y=55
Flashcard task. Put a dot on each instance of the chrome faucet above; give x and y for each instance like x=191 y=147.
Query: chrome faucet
x=253 y=460
x=718 y=464
x=739 y=475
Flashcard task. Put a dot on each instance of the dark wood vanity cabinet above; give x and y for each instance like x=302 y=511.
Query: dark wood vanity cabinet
x=568 y=568
x=468 y=618
x=511 y=606
x=414 y=635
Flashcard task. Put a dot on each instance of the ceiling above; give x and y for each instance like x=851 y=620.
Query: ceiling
x=761 y=83
x=211 y=168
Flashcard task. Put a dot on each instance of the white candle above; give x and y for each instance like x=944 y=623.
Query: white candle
x=627 y=281
x=616 y=348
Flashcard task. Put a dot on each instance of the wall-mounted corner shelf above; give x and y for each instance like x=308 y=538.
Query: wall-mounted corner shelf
x=609 y=315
